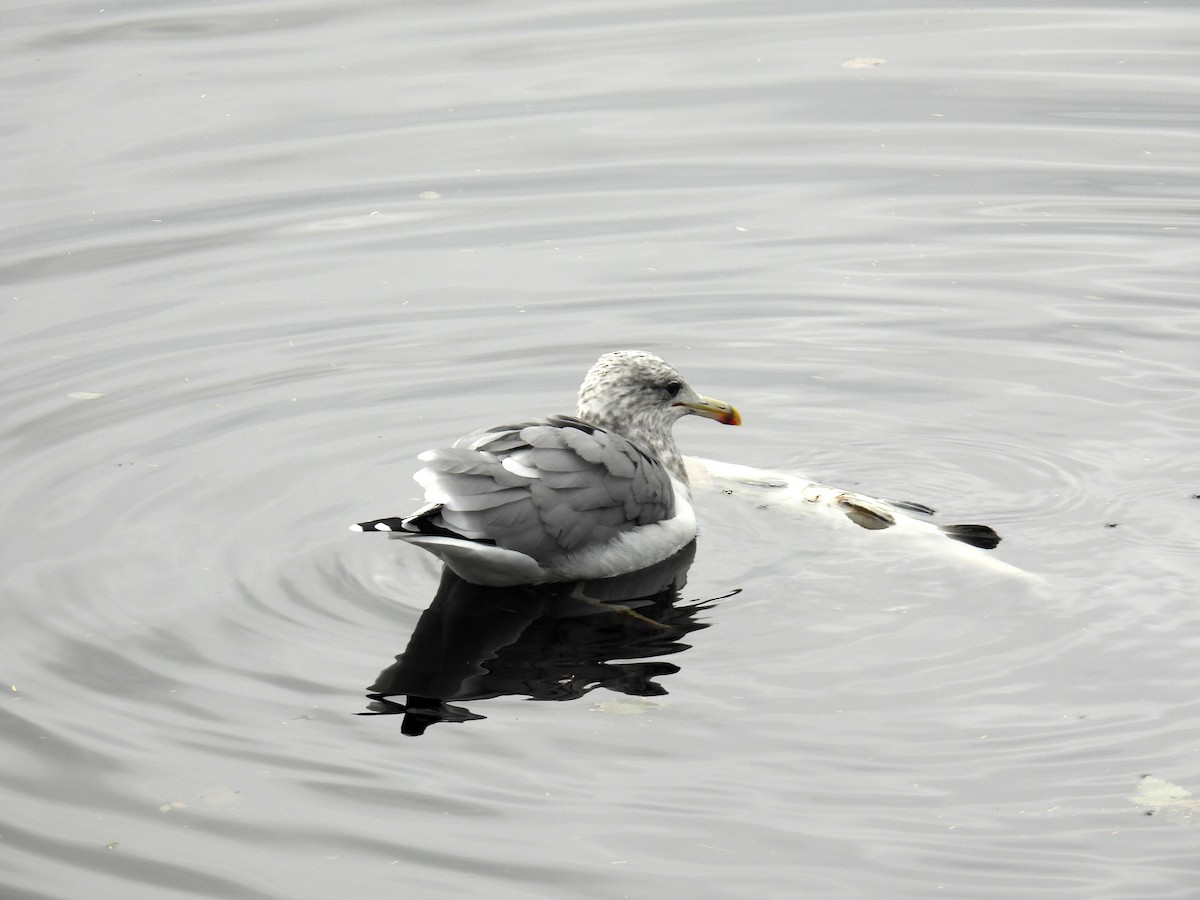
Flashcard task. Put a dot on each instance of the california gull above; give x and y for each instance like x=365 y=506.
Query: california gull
x=566 y=498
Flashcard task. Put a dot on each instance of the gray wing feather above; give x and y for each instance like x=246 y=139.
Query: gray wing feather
x=457 y=461
x=611 y=455
x=545 y=488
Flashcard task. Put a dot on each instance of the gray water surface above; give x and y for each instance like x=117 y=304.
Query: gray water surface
x=257 y=256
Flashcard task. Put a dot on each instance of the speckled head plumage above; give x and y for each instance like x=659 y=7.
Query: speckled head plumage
x=640 y=396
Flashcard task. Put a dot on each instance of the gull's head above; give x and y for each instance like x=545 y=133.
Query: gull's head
x=640 y=396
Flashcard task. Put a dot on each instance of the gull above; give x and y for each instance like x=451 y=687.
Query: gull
x=566 y=498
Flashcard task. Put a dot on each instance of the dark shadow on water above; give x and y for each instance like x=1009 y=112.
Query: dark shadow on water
x=549 y=642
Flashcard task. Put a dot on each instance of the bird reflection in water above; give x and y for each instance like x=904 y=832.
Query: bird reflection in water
x=545 y=642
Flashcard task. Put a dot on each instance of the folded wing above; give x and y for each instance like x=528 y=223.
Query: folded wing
x=545 y=488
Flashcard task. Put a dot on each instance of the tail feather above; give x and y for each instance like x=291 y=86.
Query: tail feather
x=425 y=521
x=393 y=523
x=976 y=535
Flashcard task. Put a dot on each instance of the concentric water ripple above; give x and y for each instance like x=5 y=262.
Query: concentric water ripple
x=260 y=258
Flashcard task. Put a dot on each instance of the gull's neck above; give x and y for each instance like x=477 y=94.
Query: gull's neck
x=649 y=430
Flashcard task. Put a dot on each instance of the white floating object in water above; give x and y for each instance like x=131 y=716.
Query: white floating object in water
x=1160 y=796
x=635 y=706
x=796 y=495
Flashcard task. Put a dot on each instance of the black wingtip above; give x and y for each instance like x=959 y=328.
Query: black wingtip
x=976 y=535
x=391 y=524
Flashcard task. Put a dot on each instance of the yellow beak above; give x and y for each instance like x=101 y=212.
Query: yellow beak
x=714 y=409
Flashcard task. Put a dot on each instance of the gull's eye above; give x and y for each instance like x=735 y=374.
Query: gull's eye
x=672 y=388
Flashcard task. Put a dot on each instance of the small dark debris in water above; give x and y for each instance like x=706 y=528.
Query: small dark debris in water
x=983 y=536
x=1196 y=496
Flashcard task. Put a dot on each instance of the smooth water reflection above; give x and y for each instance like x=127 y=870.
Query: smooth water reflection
x=550 y=642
